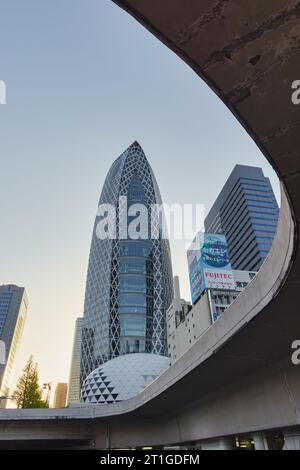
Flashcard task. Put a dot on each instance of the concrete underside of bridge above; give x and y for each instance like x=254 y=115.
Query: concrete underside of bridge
x=238 y=378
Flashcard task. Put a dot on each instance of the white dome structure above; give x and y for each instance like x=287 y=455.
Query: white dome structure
x=122 y=378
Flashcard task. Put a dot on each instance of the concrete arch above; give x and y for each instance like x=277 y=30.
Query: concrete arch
x=238 y=377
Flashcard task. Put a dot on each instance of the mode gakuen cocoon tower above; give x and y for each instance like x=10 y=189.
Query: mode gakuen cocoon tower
x=129 y=282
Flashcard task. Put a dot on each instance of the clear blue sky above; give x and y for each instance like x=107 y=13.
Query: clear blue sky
x=84 y=80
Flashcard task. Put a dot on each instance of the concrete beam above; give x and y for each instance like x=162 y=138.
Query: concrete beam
x=238 y=378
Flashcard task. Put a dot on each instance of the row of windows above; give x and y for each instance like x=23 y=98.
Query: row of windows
x=223 y=299
x=244 y=178
x=246 y=248
x=241 y=285
x=241 y=239
x=256 y=265
x=264 y=231
x=135 y=266
x=267 y=218
x=259 y=196
x=135 y=276
x=135 y=300
x=230 y=212
x=240 y=220
x=237 y=223
x=265 y=215
x=215 y=225
x=245 y=231
x=245 y=251
x=260 y=237
x=265 y=225
x=135 y=248
x=250 y=261
x=133 y=326
x=236 y=191
x=271 y=203
x=133 y=283
x=240 y=236
x=236 y=216
x=242 y=192
x=135 y=309
x=272 y=210
x=148 y=310
x=5 y=300
x=137 y=195
x=268 y=243
x=230 y=209
x=128 y=346
x=240 y=188
x=250 y=187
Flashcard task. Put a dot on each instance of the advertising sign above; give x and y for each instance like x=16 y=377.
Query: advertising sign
x=209 y=264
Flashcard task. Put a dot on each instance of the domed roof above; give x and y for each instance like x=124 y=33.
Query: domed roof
x=122 y=378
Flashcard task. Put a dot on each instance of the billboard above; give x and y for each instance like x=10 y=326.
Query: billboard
x=209 y=264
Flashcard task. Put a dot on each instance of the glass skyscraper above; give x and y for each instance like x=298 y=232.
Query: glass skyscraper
x=129 y=282
x=74 y=379
x=13 y=311
x=246 y=212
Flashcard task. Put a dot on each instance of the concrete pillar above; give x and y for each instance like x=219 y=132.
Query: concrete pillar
x=291 y=439
x=225 y=443
x=260 y=442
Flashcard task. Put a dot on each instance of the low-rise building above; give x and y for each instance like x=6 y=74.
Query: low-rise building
x=60 y=397
x=186 y=323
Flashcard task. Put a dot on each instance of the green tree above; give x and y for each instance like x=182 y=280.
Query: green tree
x=28 y=393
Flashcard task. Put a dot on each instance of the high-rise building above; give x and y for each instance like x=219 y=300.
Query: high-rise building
x=129 y=282
x=246 y=212
x=60 y=396
x=13 y=310
x=74 y=380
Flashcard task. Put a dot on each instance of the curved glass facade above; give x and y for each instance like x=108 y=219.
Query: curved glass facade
x=129 y=282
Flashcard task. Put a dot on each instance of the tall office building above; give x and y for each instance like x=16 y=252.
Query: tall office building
x=246 y=212
x=60 y=397
x=129 y=282
x=13 y=311
x=74 y=380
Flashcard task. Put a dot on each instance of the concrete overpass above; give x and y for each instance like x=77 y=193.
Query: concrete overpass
x=238 y=379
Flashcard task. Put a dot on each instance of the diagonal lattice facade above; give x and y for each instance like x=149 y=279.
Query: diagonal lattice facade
x=129 y=282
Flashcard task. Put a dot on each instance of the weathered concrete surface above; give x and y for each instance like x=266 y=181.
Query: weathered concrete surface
x=238 y=378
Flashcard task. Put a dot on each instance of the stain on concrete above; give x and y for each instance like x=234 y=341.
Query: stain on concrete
x=191 y=31
x=292 y=13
